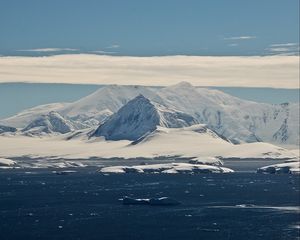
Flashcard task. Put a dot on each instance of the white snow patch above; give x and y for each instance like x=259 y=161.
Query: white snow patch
x=4 y=162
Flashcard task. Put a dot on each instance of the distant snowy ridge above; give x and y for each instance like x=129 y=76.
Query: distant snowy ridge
x=49 y=123
x=236 y=119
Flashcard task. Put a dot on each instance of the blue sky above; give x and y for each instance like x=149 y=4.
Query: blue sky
x=146 y=28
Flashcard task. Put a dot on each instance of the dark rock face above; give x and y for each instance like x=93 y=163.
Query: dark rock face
x=4 y=129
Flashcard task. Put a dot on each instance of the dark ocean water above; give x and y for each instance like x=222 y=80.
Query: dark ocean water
x=84 y=205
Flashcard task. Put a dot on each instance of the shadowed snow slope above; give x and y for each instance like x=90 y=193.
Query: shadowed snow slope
x=236 y=119
x=140 y=116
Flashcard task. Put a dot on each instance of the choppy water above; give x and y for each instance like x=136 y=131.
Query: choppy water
x=37 y=204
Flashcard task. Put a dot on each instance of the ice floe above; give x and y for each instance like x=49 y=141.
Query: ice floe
x=162 y=201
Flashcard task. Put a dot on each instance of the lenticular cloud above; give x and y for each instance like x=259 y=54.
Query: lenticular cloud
x=255 y=71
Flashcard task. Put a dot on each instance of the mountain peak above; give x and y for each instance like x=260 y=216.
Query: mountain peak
x=183 y=84
x=140 y=99
x=110 y=97
x=139 y=117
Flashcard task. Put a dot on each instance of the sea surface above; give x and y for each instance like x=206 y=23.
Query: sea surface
x=40 y=204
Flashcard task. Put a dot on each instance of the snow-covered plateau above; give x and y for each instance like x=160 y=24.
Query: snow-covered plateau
x=137 y=122
x=195 y=143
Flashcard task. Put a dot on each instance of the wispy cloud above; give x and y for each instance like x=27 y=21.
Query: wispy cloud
x=114 y=46
x=48 y=50
x=254 y=71
x=283 y=49
x=240 y=38
x=284 y=45
x=233 y=45
x=102 y=52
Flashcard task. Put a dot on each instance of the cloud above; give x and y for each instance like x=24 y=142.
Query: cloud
x=48 y=50
x=238 y=71
x=102 y=52
x=232 y=44
x=284 y=45
x=240 y=38
x=114 y=46
x=279 y=49
x=283 y=49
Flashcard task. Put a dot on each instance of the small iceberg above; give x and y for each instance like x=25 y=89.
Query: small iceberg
x=162 y=201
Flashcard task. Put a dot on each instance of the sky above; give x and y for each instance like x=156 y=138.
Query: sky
x=148 y=28
x=232 y=44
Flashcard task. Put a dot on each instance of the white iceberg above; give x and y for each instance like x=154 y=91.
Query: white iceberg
x=168 y=168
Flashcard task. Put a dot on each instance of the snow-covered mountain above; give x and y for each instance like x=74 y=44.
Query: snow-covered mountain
x=236 y=119
x=140 y=116
x=49 y=123
x=25 y=117
x=105 y=101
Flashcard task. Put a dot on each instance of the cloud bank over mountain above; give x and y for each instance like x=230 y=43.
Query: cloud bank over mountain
x=238 y=71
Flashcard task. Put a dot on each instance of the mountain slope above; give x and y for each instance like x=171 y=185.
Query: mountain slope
x=140 y=116
x=49 y=123
x=109 y=98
